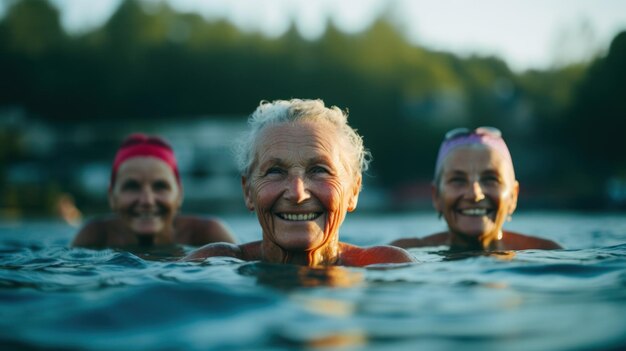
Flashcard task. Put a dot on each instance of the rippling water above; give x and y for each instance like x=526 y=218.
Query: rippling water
x=54 y=297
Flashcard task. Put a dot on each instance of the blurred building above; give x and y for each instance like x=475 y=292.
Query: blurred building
x=55 y=159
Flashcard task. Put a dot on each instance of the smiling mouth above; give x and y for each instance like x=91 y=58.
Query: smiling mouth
x=146 y=215
x=477 y=212
x=296 y=217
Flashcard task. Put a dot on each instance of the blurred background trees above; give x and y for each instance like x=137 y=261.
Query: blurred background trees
x=148 y=65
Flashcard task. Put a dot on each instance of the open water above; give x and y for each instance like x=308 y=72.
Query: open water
x=60 y=298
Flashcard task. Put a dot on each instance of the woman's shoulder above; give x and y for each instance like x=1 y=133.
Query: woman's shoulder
x=197 y=230
x=96 y=232
x=248 y=252
x=518 y=241
x=352 y=255
x=436 y=239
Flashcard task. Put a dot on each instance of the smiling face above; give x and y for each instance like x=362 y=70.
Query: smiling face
x=146 y=196
x=476 y=192
x=300 y=186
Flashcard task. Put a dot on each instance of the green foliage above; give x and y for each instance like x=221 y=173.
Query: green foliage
x=33 y=28
x=596 y=119
x=148 y=61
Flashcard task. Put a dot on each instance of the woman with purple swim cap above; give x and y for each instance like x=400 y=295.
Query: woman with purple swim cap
x=475 y=190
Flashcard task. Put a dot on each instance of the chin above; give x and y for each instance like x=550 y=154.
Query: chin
x=143 y=229
x=299 y=242
x=480 y=233
x=141 y=232
x=303 y=244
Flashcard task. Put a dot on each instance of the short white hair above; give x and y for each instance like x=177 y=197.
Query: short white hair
x=283 y=111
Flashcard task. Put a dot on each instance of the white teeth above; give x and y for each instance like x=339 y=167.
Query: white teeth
x=146 y=215
x=298 y=217
x=474 y=212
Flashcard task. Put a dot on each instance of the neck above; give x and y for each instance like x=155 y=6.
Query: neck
x=165 y=237
x=323 y=256
x=145 y=240
x=463 y=242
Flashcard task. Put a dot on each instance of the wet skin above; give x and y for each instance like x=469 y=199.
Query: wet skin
x=145 y=200
x=301 y=186
x=477 y=192
x=146 y=197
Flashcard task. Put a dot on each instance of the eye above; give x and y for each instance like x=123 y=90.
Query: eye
x=456 y=180
x=161 y=185
x=130 y=185
x=491 y=180
x=274 y=171
x=319 y=170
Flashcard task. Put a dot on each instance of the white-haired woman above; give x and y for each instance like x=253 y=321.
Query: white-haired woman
x=301 y=167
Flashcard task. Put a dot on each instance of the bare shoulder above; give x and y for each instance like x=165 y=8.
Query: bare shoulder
x=196 y=231
x=406 y=243
x=214 y=250
x=252 y=251
x=352 y=255
x=517 y=241
x=430 y=240
x=94 y=234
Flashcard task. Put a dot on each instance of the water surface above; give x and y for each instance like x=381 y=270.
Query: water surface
x=56 y=297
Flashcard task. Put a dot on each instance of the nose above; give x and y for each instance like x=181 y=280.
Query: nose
x=476 y=191
x=296 y=189
x=146 y=196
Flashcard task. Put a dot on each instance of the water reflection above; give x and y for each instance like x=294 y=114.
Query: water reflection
x=166 y=253
x=329 y=324
x=63 y=298
x=333 y=340
x=450 y=255
x=286 y=276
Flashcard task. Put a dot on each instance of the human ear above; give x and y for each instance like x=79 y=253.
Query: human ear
x=246 y=194
x=354 y=196
x=181 y=195
x=514 y=194
x=434 y=194
x=112 y=200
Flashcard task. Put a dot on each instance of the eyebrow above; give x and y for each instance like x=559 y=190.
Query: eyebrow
x=127 y=178
x=128 y=182
x=320 y=159
x=491 y=172
x=280 y=162
x=456 y=172
x=271 y=162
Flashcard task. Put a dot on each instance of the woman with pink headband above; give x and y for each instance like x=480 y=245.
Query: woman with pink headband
x=475 y=190
x=145 y=194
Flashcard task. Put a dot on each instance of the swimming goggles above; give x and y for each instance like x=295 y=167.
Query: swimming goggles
x=459 y=132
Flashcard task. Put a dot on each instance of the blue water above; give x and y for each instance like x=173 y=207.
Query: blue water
x=54 y=297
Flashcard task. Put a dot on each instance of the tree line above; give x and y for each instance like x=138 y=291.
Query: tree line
x=563 y=125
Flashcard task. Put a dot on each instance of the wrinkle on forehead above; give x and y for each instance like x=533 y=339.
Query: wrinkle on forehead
x=309 y=141
x=145 y=166
x=478 y=159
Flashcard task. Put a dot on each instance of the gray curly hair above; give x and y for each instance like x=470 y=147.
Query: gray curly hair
x=282 y=111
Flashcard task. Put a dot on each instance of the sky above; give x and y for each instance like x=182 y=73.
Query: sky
x=525 y=33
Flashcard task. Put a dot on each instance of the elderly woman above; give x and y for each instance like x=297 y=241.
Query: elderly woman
x=301 y=167
x=145 y=194
x=475 y=190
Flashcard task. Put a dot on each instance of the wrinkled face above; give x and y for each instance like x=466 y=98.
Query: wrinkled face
x=477 y=191
x=300 y=185
x=145 y=195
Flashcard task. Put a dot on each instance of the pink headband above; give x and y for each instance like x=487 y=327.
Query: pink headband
x=137 y=145
x=493 y=141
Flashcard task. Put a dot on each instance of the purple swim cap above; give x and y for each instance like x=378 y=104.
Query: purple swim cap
x=488 y=136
